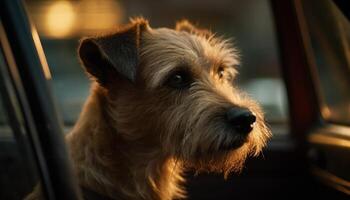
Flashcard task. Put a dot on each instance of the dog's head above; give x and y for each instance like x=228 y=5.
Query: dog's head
x=172 y=91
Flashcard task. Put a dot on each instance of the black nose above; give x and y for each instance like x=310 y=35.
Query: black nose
x=241 y=119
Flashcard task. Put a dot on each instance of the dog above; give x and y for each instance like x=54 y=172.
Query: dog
x=162 y=101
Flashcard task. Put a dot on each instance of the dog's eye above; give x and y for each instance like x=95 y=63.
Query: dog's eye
x=221 y=72
x=179 y=80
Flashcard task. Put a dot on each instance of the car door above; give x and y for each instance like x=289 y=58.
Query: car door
x=314 y=38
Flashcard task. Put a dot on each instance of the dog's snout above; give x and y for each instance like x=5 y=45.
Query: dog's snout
x=242 y=119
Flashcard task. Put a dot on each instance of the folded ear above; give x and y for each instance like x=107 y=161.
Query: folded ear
x=115 y=53
x=186 y=26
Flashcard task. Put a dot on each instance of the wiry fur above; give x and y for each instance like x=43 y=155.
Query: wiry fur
x=134 y=139
x=119 y=163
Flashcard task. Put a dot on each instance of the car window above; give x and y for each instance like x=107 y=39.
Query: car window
x=18 y=172
x=61 y=24
x=329 y=32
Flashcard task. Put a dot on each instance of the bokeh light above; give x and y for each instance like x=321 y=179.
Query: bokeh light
x=60 y=18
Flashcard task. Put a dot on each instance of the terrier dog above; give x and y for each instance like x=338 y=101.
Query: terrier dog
x=162 y=101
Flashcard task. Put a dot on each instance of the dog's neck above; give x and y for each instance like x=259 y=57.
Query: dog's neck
x=106 y=163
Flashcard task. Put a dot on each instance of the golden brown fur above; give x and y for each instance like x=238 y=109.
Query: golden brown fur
x=118 y=165
x=135 y=136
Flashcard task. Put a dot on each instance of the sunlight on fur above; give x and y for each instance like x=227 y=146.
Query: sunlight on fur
x=158 y=106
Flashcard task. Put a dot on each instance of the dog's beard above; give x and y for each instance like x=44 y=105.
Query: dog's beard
x=216 y=149
x=221 y=162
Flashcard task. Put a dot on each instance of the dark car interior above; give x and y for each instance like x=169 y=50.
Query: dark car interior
x=295 y=62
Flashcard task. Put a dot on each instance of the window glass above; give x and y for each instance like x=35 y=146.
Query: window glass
x=61 y=24
x=329 y=32
x=18 y=174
